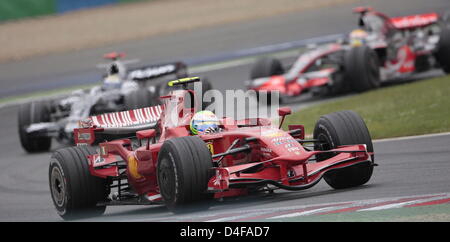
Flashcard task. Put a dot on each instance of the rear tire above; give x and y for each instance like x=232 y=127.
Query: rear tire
x=206 y=86
x=183 y=171
x=266 y=67
x=141 y=98
x=343 y=128
x=75 y=192
x=30 y=113
x=443 y=49
x=362 y=68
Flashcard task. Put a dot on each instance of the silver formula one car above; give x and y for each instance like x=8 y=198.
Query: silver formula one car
x=121 y=89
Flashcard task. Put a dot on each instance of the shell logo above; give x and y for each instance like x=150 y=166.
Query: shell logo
x=133 y=167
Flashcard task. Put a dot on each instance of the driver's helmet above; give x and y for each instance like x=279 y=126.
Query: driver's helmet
x=358 y=37
x=204 y=122
x=112 y=82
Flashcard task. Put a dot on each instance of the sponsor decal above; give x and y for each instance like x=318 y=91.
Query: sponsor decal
x=272 y=133
x=210 y=147
x=133 y=167
x=98 y=159
x=151 y=72
x=283 y=140
x=84 y=136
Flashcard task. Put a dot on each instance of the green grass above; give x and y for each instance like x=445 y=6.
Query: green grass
x=415 y=108
x=432 y=213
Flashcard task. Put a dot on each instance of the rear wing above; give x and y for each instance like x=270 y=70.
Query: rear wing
x=415 y=21
x=128 y=118
x=145 y=73
x=118 y=123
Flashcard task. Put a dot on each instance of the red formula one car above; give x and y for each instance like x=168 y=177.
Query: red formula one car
x=381 y=49
x=167 y=164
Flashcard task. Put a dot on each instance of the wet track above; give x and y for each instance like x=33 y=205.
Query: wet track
x=407 y=167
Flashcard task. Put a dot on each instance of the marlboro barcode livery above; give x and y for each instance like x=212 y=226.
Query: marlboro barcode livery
x=128 y=118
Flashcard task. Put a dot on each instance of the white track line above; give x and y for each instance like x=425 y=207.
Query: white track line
x=304 y=213
x=411 y=137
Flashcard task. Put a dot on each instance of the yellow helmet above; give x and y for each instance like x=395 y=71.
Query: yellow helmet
x=358 y=37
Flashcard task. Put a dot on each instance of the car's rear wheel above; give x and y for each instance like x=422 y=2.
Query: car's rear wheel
x=362 y=68
x=266 y=67
x=140 y=98
x=183 y=171
x=343 y=128
x=443 y=49
x=206 y=86
x=30 y=113
x=74 y=191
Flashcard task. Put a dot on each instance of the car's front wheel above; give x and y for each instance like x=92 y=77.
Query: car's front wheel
x=343 y=128
x=74 y=191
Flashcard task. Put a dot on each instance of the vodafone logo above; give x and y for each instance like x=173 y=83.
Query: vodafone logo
x=414 y=21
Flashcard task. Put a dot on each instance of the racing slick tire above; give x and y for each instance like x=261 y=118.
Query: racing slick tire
x=443 y=49
x=183 y=171
x=74 y=191
x=266 y=67
x=343 y=128
x=29 y=113
x=206 y=86
x=362 y=68
x=140 y=98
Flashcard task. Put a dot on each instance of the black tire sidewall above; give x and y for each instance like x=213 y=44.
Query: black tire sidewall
x=443 y=51
x=82 y=190
x=266 y=67
x=139 y=99
x=29 y=113
x=344 y=128
x=362 y=68
x=191 y=163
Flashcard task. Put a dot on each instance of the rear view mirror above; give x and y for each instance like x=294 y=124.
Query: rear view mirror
x=284 y=111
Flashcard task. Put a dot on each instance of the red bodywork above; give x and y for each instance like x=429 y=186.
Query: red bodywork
x=272 y=156
x=300 y=78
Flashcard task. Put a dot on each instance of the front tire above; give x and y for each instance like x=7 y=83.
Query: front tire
x=30 y=113
x=75 y=192
x=183 y=171
x=141 y=98
x=343 y=128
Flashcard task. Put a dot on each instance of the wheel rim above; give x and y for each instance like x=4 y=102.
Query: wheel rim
x=58 y=186
x=323 y=144
x=166 y=180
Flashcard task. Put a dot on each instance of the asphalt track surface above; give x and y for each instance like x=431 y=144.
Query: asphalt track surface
x=407 y=167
